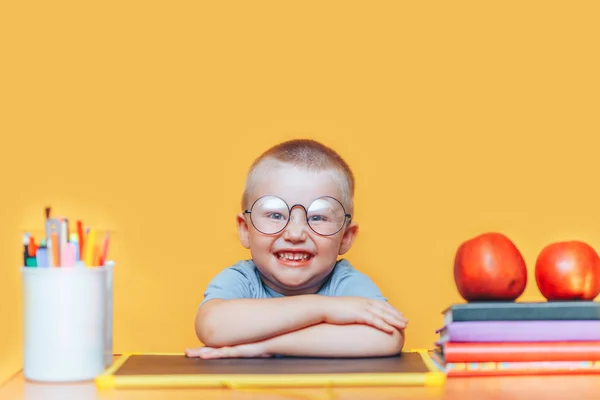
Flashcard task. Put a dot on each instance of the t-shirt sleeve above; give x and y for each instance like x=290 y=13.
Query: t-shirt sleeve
x=231 y=283
x=355 y=283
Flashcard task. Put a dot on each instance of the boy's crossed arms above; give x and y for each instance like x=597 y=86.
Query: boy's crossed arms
x=303 y=325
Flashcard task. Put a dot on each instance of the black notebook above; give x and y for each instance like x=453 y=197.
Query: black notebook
x=522 y=311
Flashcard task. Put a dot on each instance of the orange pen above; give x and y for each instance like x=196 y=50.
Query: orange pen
x=55 y=249
x=104 y=249
x=80 y=239
x=32 y=248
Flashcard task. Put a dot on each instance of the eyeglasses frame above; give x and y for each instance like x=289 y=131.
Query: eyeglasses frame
x=347 y=217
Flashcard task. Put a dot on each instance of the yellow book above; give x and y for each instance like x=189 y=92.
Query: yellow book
x=135 y=370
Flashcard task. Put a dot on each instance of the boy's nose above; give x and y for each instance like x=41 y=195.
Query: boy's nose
x=296 y=228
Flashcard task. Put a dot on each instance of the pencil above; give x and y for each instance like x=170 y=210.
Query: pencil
x=55 y=249
x=90 y=247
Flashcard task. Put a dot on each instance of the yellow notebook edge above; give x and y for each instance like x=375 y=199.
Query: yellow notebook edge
x=435 y=376
x=107 y=380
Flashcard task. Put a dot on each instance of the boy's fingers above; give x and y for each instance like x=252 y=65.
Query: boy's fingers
x=384 y=313
x=397 y=323
x=390 y=308
x=378 y=322
x=400 y=318
x=222 y=352
x=384 y=326
x=390 y=319
x=196 y=352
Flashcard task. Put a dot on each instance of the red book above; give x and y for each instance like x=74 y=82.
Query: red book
x=518 y=368
x=457 y=352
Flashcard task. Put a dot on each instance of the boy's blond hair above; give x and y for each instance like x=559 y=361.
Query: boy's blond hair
x=309 y=154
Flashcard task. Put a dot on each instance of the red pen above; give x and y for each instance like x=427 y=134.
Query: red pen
x=104 y=249
x=80 y=239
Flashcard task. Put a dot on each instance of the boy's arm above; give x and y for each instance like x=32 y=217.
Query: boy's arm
x=322 y=340
x=327 y=340
x=231 y=322
x=229 y=314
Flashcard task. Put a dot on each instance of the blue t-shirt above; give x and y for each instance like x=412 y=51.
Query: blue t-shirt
x=242 y=281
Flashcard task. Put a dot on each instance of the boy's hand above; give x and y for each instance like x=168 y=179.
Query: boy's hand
x=250 y=350
x=359 y=310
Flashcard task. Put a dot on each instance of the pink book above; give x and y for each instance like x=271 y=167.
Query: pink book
x=520 y=331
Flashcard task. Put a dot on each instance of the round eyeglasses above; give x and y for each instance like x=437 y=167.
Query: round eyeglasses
x=269 y=215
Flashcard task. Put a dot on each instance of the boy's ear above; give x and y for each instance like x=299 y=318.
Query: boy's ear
x=243 y=230
x=348 y=238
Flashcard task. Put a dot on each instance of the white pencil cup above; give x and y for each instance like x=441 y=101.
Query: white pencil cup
x=67 y=322
x=108 y=331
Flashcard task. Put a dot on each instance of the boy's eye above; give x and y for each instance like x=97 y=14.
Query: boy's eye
x=275 y=215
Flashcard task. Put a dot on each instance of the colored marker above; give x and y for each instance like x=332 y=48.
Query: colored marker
x=55 y=249
x=74 y=239
x=41 y=257
x=67 y=256
x=53 y=234
x=31 y=247
x=26 y=242
x=49 y=253
x=63 y=238
x=97 y=255
x=89 y=248
x=104 y=249
x=80 y=240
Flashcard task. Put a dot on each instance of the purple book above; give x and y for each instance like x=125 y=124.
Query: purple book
x=520 y=331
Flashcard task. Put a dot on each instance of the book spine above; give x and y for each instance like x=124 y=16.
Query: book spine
x=521 y=368
x=514 y=352
x=463 y=315
x=524 y=331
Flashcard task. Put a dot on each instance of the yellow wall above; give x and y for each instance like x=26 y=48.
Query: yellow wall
x=457 y=119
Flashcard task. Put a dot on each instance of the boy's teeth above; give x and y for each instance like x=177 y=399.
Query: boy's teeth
x=294 y=256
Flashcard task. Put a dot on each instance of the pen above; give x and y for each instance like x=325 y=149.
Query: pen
x=49 y=252
x=97 y=256
x=104 y=249
x=80 y=240
x=63 y=238
x=55 y=249
x=41 y=257
x=25 y=248
x=53 y=233
x=67 y=256
x=74 y=239
x=31 y=248
x=90 y=247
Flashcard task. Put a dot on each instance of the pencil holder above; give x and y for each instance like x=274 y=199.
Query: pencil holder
x=66 y=322
x=108 y=334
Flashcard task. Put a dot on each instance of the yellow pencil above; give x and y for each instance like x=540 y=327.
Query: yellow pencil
x=89 y=248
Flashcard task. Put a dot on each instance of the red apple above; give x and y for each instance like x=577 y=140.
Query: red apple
x=489 y=267
x=568 y=270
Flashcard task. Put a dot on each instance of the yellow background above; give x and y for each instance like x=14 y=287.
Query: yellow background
x=142 y=117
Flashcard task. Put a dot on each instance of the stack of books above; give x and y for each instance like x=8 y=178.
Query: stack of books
x=519 y=338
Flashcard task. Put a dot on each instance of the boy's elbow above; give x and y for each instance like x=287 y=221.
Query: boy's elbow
x=398 y=337
x=394 y=345
x=206 y=327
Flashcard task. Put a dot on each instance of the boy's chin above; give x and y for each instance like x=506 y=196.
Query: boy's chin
x=298 y=284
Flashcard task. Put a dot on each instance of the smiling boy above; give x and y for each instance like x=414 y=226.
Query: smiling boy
x=294 y=297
